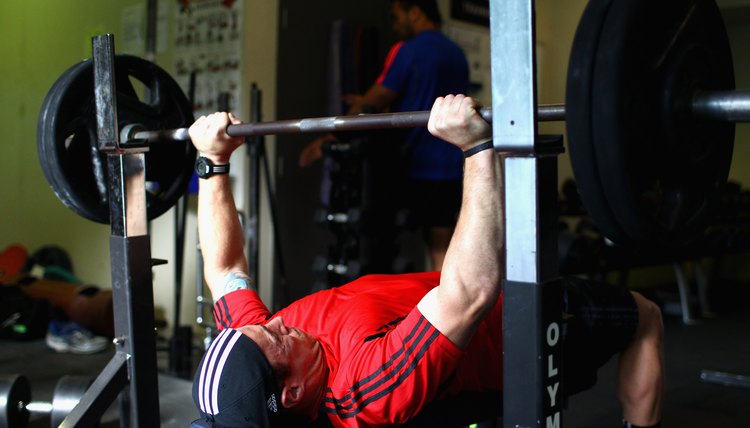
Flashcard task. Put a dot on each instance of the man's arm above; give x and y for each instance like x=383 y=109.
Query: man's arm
x=224 y=264
x=470 y=282
x=378 y=97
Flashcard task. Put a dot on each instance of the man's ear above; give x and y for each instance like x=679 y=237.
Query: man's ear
x=291 y=394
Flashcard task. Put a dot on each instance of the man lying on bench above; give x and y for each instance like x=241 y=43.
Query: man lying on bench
x=376 y=351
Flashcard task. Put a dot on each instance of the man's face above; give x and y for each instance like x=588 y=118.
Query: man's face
x=286 y=346
x=401 y=24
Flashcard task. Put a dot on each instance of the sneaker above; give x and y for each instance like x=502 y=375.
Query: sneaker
x=74 y=338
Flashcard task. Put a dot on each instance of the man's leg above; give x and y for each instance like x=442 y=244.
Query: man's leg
x=641 y=368
x=439 y=213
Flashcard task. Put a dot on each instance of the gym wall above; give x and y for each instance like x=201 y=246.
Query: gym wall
x=41 y=39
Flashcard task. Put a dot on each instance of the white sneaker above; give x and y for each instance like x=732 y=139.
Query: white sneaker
x=72 y=337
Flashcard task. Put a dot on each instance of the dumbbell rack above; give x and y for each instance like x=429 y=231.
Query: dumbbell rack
x=134 y=363
x=360 y=210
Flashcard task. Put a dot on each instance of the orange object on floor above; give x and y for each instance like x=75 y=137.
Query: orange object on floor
x=12 y=260
x=89 y=306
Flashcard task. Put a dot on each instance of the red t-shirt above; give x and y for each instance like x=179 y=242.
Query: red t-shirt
x=389 y=61
x=386 y=360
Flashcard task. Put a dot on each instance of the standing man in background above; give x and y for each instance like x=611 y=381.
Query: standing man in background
x=418 y=69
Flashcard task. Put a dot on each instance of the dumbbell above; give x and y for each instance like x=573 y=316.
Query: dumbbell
x=16 y=406
x=337 y=267
x=350 y=216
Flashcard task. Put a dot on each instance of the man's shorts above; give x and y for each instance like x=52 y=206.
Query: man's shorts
x=433 y=203
x=600 y=321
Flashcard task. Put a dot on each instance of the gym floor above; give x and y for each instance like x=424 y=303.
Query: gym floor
x=43 y=368
x=721 y=343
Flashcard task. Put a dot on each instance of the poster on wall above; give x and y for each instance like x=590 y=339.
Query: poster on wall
x=208 y=49
x=475 y=11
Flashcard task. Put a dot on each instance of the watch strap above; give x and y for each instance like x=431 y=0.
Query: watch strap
x=220 y=169
x=476 y=149
x=213 y=169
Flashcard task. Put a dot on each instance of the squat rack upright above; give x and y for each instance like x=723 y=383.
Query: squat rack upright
x=132 y=371
x=532 y=346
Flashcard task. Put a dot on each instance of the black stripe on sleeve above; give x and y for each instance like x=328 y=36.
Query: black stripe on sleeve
x=356 y=399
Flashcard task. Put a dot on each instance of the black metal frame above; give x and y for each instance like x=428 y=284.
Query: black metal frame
x=132 y=371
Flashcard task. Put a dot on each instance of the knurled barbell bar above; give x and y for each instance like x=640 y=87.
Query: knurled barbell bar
x=650 y=111
x=362 y=122
x=730 y=106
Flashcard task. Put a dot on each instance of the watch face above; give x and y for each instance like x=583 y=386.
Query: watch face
x=202 y=167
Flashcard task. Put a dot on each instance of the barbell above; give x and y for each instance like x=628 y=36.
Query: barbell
x=362 y=122
x=730 y=106
x=650 y=111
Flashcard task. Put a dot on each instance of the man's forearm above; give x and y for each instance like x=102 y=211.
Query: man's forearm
x=219 y=228
x=471 y=277
x=473 y=260
x=377 y=97
x=219 y=232
x=470 y=281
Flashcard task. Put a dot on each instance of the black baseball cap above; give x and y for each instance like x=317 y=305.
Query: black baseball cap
x=234 y=385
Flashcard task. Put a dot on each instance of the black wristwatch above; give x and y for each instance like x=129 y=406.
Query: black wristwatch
x=205 y=168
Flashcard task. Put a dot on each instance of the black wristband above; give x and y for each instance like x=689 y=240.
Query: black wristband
x=476 y=149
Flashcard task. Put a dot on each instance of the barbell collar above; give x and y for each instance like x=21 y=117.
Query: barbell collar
x=730 y=106
x=179 y=134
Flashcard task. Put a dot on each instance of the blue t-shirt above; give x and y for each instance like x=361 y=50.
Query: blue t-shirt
x=421 y=69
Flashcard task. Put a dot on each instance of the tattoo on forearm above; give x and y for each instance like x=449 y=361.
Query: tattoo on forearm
x=237 y=281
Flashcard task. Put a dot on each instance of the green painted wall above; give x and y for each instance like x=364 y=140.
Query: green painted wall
x=40 y=40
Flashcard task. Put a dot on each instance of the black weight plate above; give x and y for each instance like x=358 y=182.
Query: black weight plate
x=66 y=136
x=578 y=105
x=15 y=394
x=661 y=168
